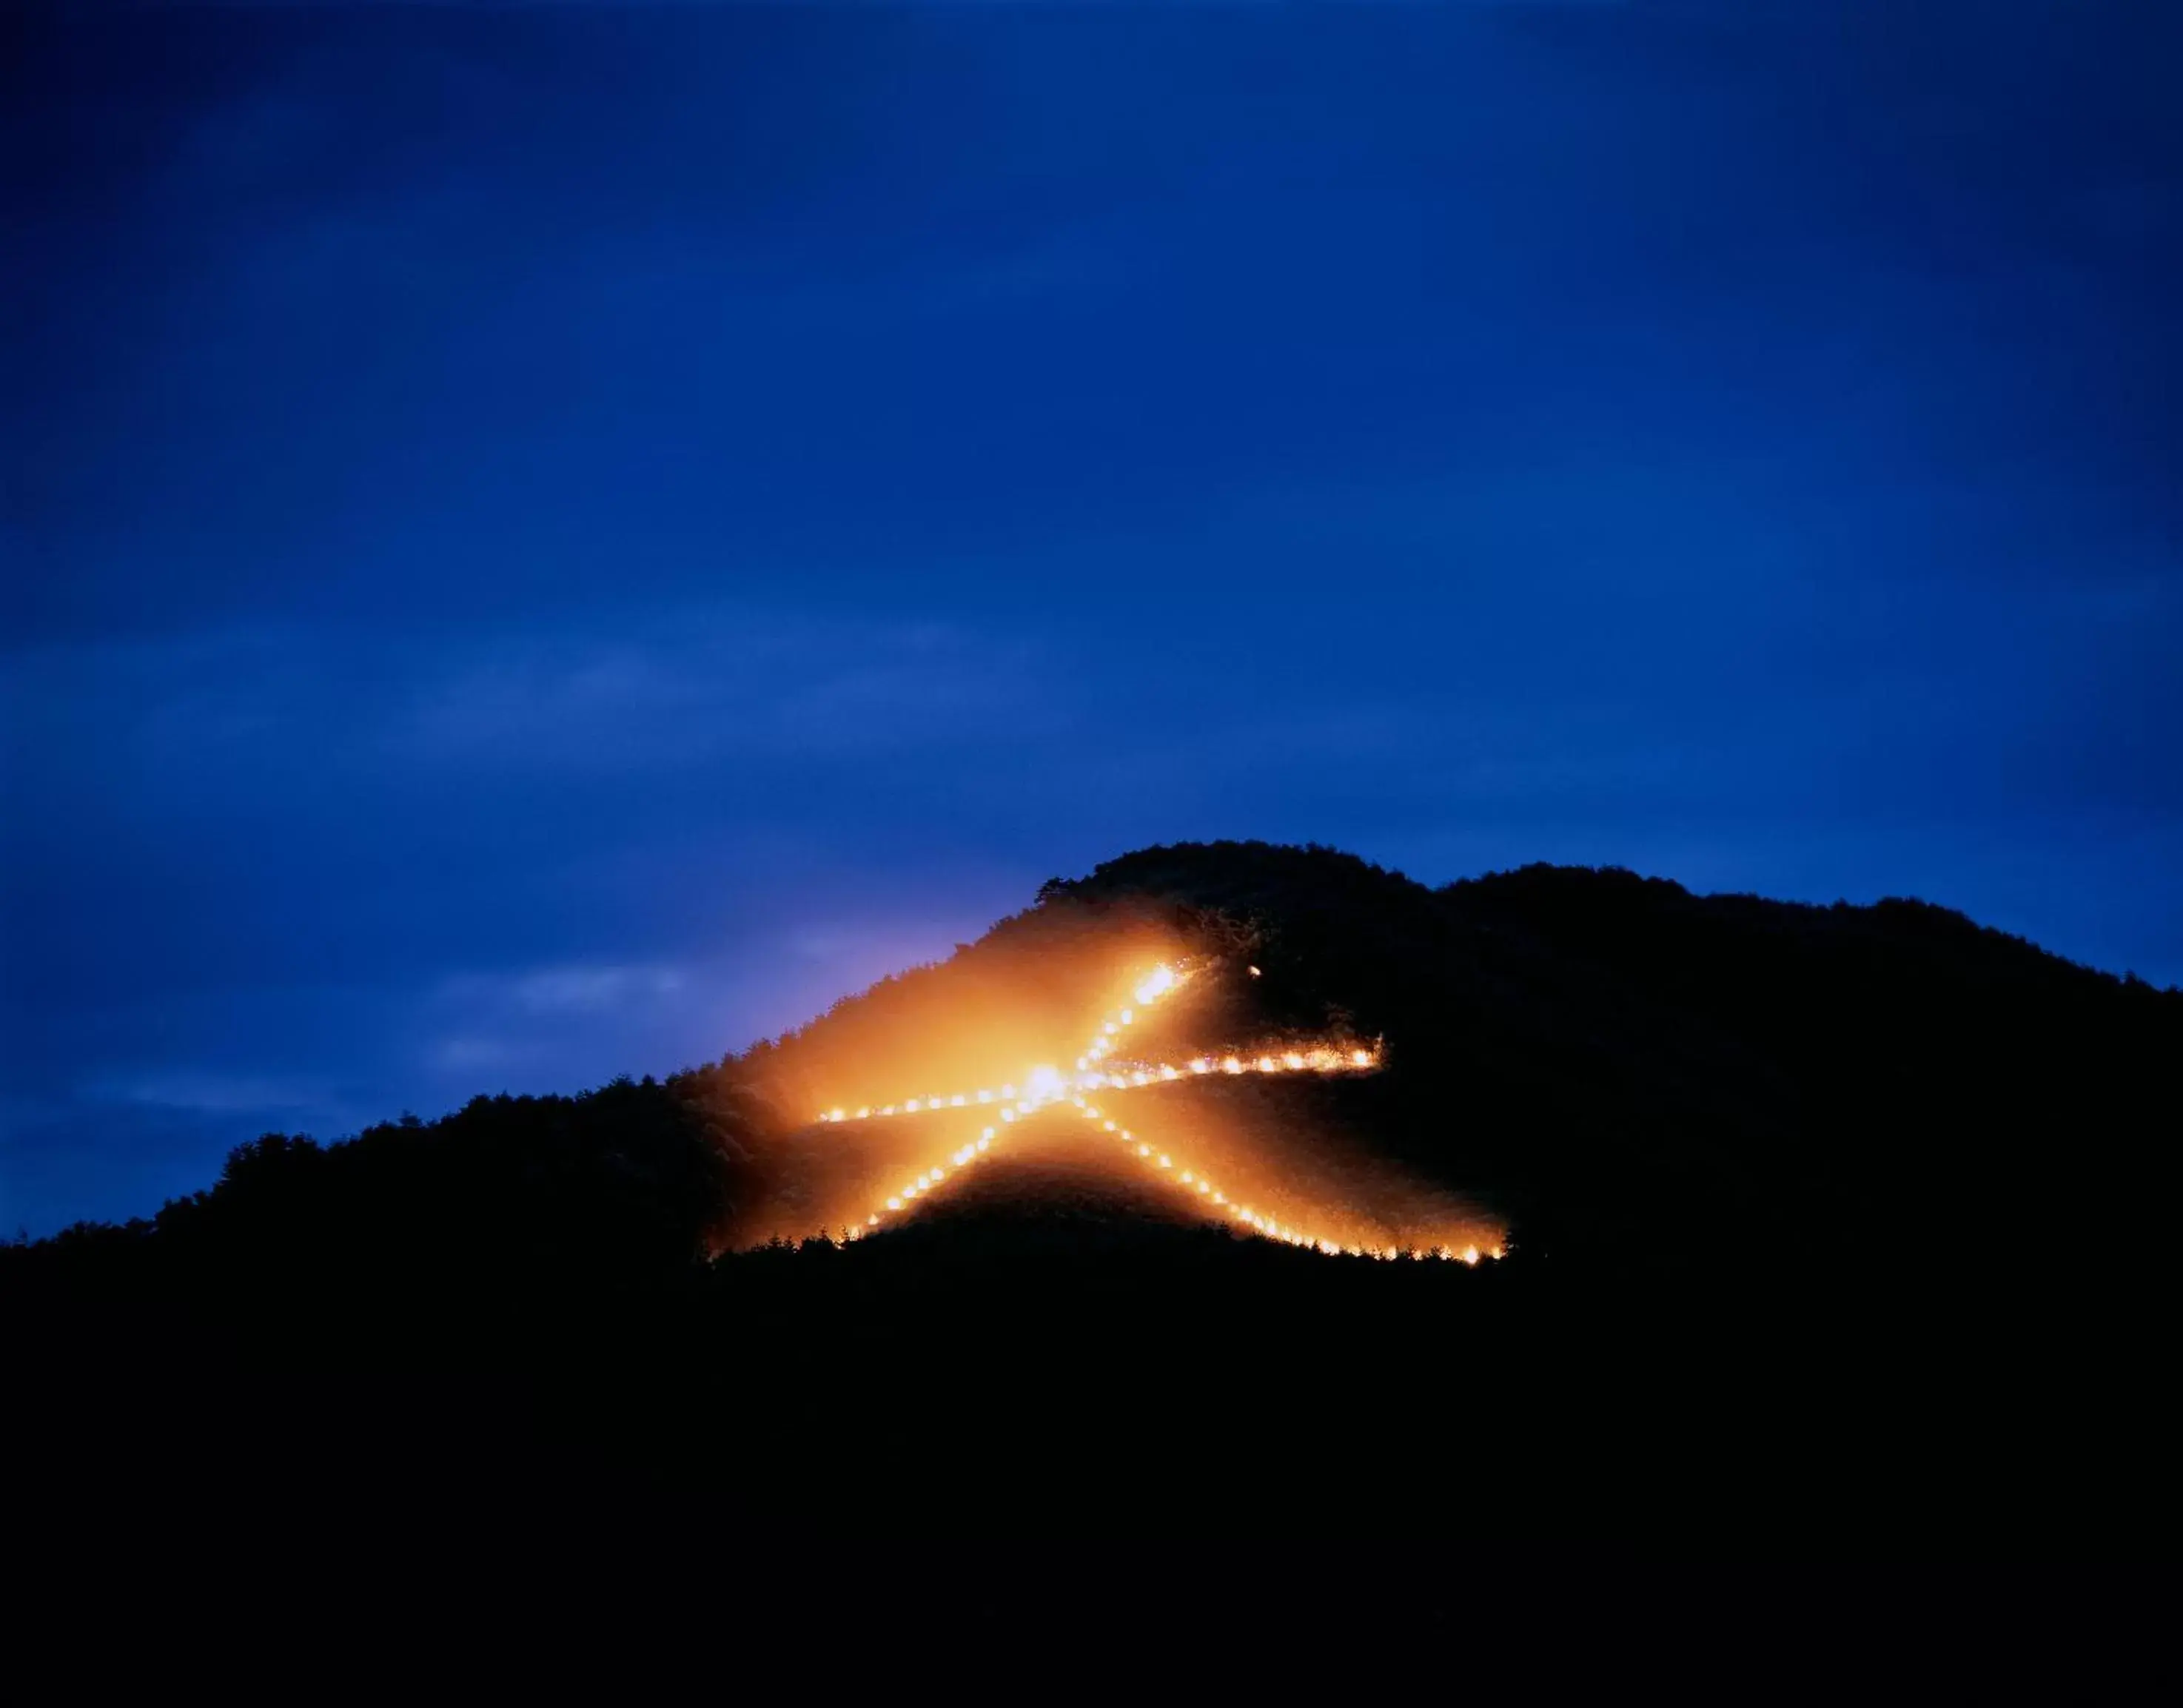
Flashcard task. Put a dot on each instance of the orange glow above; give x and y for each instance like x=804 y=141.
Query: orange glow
x=1332 y=1229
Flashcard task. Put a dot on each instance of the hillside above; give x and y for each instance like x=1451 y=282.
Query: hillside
x=1840 y=1181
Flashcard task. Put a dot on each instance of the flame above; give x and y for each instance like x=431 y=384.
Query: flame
x=1045 y=1086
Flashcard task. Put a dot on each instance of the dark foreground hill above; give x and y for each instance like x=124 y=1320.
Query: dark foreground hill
x=1830 y=1227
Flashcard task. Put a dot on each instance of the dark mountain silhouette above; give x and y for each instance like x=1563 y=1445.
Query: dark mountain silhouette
x=1826 y=1224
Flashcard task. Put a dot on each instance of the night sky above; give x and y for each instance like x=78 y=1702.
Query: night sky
x=544 y=543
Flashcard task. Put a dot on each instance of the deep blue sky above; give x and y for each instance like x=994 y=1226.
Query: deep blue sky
x=548 y=542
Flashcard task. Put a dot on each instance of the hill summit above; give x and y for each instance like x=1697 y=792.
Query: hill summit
x=1630 y=1074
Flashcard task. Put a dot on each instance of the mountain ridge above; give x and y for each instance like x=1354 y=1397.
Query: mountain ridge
x=1754 y=1158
